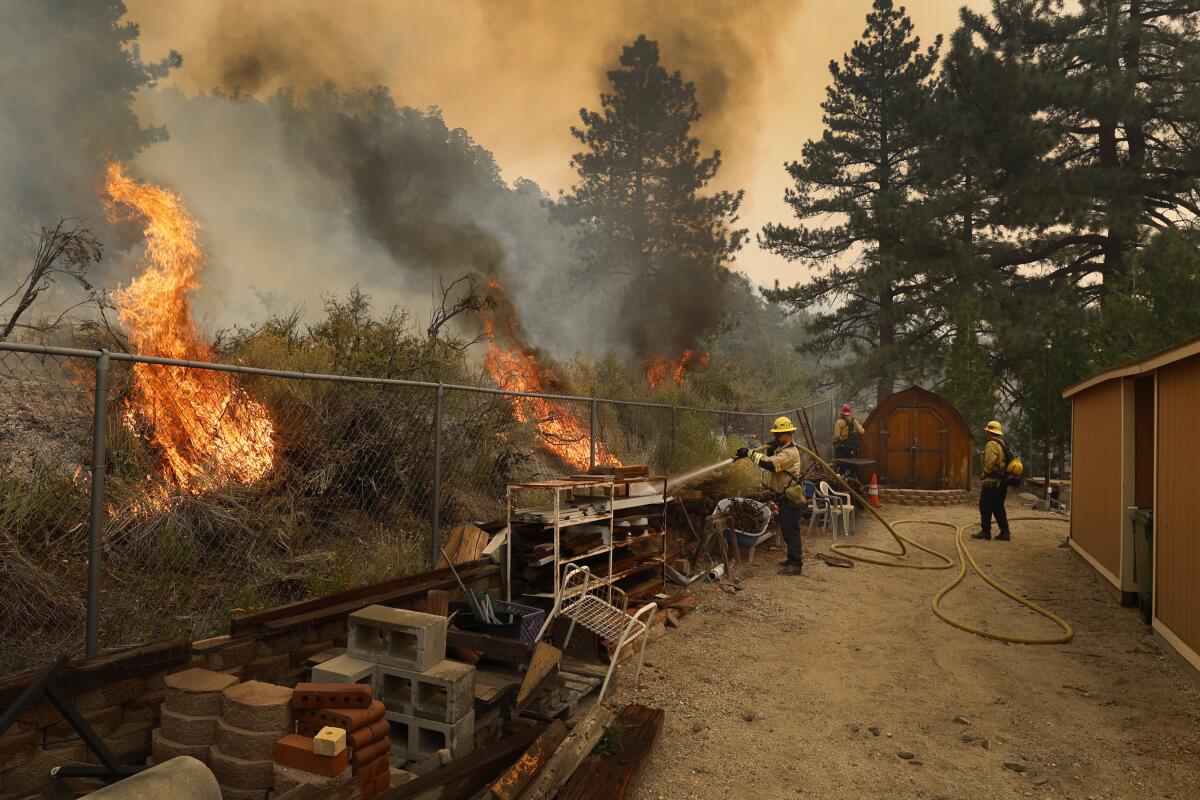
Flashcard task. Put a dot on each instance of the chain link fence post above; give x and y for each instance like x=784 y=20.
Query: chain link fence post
x=592 y=435
x=435 y=509
x=96 y=516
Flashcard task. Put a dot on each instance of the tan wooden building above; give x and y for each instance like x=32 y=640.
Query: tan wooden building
x=1135 y=441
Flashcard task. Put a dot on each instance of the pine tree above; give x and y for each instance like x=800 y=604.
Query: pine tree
x=861 y=171
x=639 y=196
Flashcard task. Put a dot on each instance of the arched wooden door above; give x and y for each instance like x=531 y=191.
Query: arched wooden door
x=915 y=443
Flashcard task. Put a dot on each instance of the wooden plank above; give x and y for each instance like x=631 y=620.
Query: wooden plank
x=437 y=601
x=451 y=547
x=497 y=648
x=463 y=777
x=569 y=755
x=88 y=673
x=409 y=594
x=543 y=666
x=613 y=776
x=513 y=780
x=399 y=587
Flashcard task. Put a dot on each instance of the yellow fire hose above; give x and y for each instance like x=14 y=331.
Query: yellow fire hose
x=964 y=558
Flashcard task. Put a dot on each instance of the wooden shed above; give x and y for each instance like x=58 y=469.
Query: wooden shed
x=919 y=441
x=1134 y=440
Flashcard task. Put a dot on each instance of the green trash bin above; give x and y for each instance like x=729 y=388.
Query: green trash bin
x=1143 y=559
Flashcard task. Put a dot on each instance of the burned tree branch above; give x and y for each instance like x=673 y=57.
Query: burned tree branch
x=471 y=300
x=68 y=249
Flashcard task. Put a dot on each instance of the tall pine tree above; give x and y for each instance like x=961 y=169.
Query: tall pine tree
x=639 y=197
x=861 y=172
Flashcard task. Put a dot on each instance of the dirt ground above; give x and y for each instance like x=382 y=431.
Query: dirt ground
x=842 y=684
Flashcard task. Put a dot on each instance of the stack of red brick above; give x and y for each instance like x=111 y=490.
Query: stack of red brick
x=337 y=726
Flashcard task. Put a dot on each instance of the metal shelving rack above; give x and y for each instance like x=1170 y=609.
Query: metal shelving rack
x=576 y=510
x=553 y=517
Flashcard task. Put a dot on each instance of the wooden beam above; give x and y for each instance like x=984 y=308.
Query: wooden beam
x=569 y=755
x=333 y=607
x=463 y=777
x=513 y=780
x=543 y=666
x=497 y=648
x=437 y=601
x=88 y=673
x=613 y=776
x=405 y=586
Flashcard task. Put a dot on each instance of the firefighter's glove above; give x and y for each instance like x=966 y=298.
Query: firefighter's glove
x=742 y=452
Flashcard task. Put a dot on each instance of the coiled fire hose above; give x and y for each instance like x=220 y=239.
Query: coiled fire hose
x=964 y=558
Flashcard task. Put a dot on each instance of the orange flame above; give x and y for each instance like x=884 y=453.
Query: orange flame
x=659 y=368
x=561 y=430
x=208 y=430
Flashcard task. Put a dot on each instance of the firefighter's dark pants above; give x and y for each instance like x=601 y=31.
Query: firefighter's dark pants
x=991 y=503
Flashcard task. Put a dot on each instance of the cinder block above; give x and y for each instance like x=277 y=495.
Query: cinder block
x=329 y=741
x=297 y=751
x=256 y=706
x=332 y=695
x=398 y=637
x=188 y=729
x=345 y=669
x=427 y=736
x=445 y=692
x=240 y=773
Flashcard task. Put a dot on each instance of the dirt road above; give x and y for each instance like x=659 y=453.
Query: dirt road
x=842 y=684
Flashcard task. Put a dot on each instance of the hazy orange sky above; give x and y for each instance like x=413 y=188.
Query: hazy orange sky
x=514 y=73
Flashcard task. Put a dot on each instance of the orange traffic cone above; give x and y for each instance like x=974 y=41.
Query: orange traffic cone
x=873 y=492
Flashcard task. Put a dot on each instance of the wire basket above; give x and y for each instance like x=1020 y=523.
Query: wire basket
x=531 y=618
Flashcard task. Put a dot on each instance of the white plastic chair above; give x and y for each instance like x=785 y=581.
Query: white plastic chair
x=600 y=607
x=760 y=534
x=819 y=508
x=840 y=507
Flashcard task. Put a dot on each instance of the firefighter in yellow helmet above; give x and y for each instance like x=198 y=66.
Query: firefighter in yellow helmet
x=783 y=462
x=999 y=463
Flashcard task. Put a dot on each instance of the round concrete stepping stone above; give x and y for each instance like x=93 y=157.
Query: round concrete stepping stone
x=258 y=706
x=196 y=691
x=240 y=773
x=163 y=749
x=188 y=729
x=250 y=745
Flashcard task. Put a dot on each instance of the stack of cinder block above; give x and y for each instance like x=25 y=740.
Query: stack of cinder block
x=337 y=719
x=430 y=700
x=191 y=706
x=253 y=717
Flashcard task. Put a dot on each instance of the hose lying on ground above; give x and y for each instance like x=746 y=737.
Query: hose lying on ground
x=964 y=558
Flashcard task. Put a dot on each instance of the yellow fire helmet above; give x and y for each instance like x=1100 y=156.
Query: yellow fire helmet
x=994 y=427
x=783 y=425
x=1016 y=468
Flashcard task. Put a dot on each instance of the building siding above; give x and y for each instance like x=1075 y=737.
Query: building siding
x=1177 y=506
x=1096 y=512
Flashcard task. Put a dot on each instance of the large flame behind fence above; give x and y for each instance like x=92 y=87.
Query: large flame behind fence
x=209 y=432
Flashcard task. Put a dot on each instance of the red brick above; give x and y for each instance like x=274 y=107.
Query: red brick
x=366 y=785
x=365 y=755
x=350 y=719
x=382 y=783
x=339 y=696
x=296 y=751
x=306 y=729
x=380 y=766
x=364 y=736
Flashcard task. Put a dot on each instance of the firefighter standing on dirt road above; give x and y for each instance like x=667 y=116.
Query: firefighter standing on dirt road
x=783 y=461
x=847 y=434
x=999 y=462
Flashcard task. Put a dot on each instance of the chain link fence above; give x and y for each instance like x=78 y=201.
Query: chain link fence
x=228 y=489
